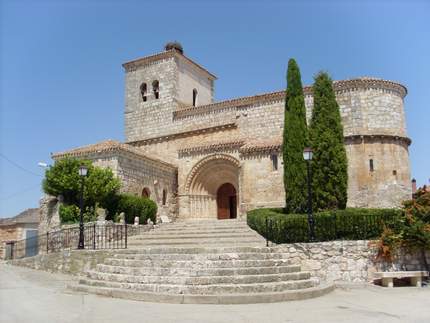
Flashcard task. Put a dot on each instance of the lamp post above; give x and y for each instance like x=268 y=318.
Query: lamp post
x=82 y=173
x=307 y=155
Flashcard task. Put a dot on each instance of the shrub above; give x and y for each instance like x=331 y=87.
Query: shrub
x=348 y=224
x=133 y=206
x=70 y=214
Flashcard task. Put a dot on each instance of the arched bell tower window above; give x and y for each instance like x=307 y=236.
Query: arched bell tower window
x=143 y=91
x=156 y=89
x=194 y=97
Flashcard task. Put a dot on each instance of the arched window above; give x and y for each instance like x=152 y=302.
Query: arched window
x=146 y=192
x=156 y=89
x=143 y=91
x=194 y=97
x=371 y=167
x=164 y=197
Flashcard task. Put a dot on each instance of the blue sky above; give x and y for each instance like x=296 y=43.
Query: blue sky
x=62 y=84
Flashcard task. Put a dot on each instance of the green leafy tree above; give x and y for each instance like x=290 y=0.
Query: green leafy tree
x=329 y=164
x=416 y=229
x=63 y=179
x=295 y=138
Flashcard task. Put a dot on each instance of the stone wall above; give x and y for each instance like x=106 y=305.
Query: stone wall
x=13 y=232
x=149 y=119
x=374 y=128
x=137 y=173
x=348 y=261
x=72 y=262
x=371 y=110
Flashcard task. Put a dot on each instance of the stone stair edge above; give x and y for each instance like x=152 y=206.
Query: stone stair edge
x=249 y=298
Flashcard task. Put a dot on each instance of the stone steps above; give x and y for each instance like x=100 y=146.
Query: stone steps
x=198 y=280
x=202 y=250
x=169 y=236
x=195 y=242
x=249 y=298
x=190 y=272
x=200 y=257
x=212 y=262
x=213 y=289
x=176 y=231
x=197 y=264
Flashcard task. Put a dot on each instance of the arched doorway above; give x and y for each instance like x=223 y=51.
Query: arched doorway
x=203 y=183
x=226 y=202
x=146 y=192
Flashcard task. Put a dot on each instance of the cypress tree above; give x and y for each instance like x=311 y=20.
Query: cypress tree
x=295 y=138
x=329 y=164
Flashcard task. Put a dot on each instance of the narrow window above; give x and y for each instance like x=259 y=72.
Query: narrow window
x=194 y=97
x=394 y=172
x=371 y=168
x=274 y=159
x=156 y=89
x=143 y=91
x=164 y=197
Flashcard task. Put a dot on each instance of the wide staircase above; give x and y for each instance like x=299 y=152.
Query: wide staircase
x=210 y=262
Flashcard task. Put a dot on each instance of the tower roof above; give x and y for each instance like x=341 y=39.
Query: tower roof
x=172 y=50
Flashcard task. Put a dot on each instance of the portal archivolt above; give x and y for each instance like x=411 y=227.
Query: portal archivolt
x=204 y=181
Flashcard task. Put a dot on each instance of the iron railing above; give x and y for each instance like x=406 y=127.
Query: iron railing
x=96 y=236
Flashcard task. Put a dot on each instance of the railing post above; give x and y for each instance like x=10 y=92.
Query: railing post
x=94 y=236
x=125 y=227
x=47 y=241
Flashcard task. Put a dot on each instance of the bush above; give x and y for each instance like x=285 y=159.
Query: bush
x=348 y=224
x=133 y=206
x=70 y=214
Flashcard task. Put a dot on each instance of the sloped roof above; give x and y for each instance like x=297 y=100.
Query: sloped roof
x=164 y=55
x=106 y=146
x=27 y=216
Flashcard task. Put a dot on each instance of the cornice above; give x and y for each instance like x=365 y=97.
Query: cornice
x=372 y=137
x=173 y=136
x=339 y=87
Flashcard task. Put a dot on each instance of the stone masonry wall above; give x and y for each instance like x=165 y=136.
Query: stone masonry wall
x=151 y=118
x=386 y=186
x=348 y=261
x=137 y=173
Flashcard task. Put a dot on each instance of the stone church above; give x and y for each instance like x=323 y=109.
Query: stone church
x=201 y=159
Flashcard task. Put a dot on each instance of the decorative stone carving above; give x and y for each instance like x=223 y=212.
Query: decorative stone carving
x=101 y=215
x=122 y=218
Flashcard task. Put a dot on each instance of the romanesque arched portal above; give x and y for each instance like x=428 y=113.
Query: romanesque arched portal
x=205 y=180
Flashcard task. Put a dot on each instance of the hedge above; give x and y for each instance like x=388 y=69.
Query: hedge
x=70 y=214
x=133 y=206
x=348 y=224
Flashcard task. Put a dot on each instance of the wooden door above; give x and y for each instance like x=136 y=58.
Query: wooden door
x=226 y=201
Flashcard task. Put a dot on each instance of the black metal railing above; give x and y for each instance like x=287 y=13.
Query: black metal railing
x=106 y=236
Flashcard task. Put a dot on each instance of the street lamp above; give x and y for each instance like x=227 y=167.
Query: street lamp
x=83 y=170
x=307 y=155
